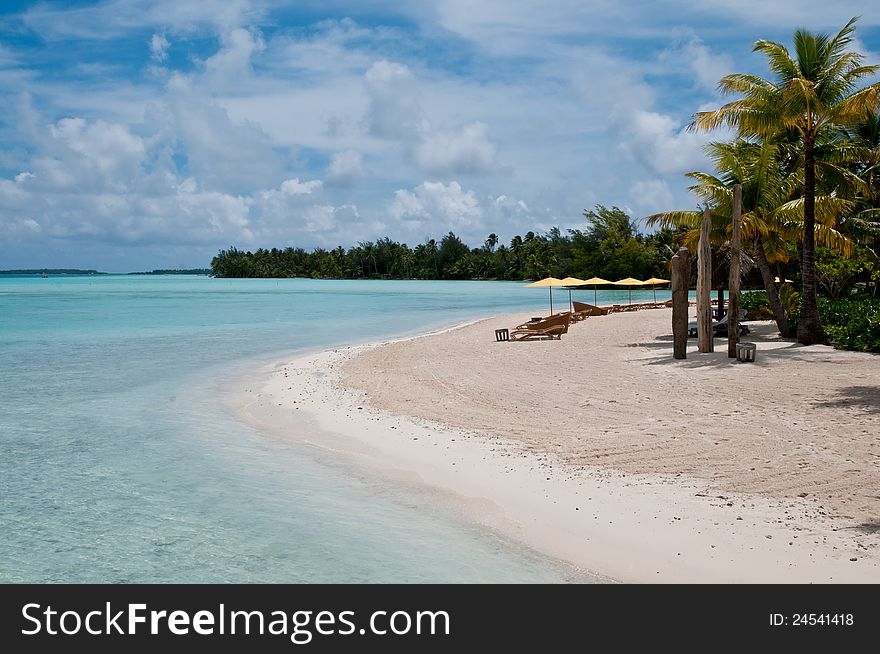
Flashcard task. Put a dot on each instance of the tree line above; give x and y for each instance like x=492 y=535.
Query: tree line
x=610 y=246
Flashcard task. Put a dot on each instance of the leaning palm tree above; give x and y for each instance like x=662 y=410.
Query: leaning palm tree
x=813 y=92
x=771 y=211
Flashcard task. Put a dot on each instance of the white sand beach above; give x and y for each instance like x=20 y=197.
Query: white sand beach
x=602 y=451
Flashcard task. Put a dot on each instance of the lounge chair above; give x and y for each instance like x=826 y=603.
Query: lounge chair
x=548 y=328
x=535 y=321
x=579 y=314
x=719 y=328
x=590 y=309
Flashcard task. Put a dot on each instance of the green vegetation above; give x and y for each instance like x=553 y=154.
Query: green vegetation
x=806 y=153
x=851 y=322
x=611 y=246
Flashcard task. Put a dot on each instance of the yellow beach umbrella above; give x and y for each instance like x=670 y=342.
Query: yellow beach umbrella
x=594 y=282
x=550 y=282
x=630 y=281
x=787 y=281
x=655 y=282
x=572 y=281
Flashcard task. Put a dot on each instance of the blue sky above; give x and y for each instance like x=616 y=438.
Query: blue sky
x=141 y=134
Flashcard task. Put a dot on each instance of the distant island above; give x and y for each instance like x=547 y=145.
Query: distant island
x=78 y=271
x=176 y=271
x=52 y=271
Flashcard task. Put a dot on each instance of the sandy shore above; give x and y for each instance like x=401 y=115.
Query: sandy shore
x=604 y=452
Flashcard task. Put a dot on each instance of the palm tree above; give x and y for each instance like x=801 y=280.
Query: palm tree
x=491 y=241
x=516 y=249
x=771 y=211
x=814 y=92
x=432 y=250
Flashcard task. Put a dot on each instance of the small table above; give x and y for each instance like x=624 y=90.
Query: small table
x=502 y=335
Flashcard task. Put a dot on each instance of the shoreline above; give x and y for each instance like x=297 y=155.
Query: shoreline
x=611 y=522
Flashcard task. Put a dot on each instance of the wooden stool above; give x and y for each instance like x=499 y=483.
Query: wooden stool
x=502 y=335
x=745 y=352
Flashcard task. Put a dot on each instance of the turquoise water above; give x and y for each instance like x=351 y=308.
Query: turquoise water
x=118 y=464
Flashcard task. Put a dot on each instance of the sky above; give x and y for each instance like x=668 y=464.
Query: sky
x=142 y=134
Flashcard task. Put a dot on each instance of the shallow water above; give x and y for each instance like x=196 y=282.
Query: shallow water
x=119 y=464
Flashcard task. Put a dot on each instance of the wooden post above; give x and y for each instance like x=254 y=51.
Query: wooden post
x=705 y=337
x=733 y=283
x=681 y=282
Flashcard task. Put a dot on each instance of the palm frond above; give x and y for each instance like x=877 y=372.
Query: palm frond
x=674 y=219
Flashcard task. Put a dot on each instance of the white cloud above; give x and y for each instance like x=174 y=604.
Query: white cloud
x=109 y=19
x=660 y=143
x=102 y=154
x=508 y=27
x=345 y=168
x=394 y=111
x=447 y=204
x=819 y=15
x=694 y=55
x=434 y=208
x=159 y=48
x=231 y=65
x=7 y=57
x=465 y=150
x=220 y=153
x=509 y=204
x=296 y=187
x=650 y=196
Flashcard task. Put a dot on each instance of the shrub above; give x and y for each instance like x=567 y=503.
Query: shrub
x=852 y=323
x=755 y=302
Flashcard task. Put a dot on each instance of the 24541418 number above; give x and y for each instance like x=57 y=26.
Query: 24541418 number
x=812 y=620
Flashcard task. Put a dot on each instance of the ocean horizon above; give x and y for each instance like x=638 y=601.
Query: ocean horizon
x=123 y=463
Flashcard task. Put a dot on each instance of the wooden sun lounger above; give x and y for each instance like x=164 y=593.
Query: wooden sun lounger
x=577 y=316
x=590 y=309
x=548 y=328
x=534 y=321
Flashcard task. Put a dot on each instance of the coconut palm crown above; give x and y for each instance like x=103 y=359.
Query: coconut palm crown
x=813 y=91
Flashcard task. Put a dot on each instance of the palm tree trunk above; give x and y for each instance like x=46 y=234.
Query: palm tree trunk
x=772 y=295
x=809 y=325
